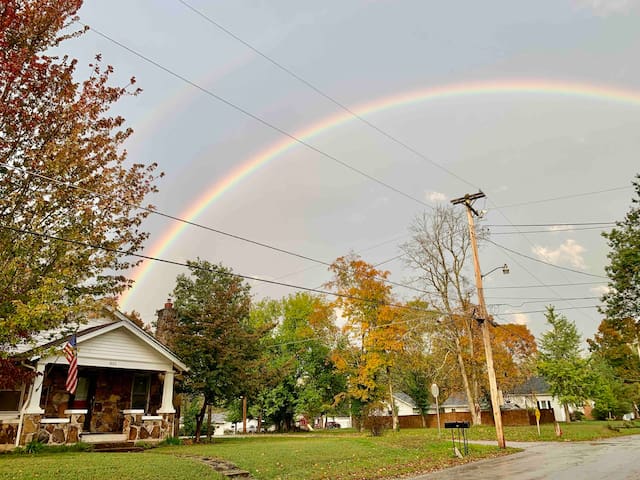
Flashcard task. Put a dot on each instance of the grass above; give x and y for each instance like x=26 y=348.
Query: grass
x=571 y=432
x=102 y=466
x=339 y=454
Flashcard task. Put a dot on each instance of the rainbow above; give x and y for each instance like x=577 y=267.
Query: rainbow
x=253 y=164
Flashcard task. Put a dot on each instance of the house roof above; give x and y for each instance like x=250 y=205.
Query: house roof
x=403 y=397
x=456 y=399
x=111 y=321
x=533 y=385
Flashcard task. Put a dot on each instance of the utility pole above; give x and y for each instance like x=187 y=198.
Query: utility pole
x=483 y=318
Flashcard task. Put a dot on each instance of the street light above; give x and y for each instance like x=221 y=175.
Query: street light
x=505 y=270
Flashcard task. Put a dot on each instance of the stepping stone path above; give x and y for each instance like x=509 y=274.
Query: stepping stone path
x=227 y=469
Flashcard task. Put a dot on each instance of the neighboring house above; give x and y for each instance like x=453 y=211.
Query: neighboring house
x=534 y=393
x=456 y=402
x=405 y=405
x=124 y=391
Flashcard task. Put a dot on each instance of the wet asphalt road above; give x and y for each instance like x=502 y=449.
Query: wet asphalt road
x=610 y=459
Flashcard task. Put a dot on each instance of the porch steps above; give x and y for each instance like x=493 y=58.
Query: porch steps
x=110 y=442
x=116 y=447
x=103 y=437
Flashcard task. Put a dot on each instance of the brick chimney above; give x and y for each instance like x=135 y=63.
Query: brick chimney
x=166 y=324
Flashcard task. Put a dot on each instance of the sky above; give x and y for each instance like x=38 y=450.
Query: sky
x=537 y=104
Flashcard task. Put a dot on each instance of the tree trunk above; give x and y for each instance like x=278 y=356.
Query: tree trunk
x=394 y=413
x=471 y=402
x=566 y=413
x=200 y=421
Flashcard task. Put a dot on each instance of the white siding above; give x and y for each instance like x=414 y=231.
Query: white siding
x=119 y=348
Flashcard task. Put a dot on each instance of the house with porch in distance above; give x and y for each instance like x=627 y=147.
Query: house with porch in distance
x=124 y=387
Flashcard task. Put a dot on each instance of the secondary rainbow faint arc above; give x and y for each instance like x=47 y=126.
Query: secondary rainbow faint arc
x=235 y=176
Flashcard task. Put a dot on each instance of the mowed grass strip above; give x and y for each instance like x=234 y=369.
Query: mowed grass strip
x=571 y=432
x=339 y=456
x=102 y=466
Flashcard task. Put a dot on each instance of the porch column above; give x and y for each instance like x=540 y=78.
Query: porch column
x=33 y=405
x=167 y=394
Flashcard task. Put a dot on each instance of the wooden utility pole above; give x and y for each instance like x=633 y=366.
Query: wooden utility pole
x=483 y=317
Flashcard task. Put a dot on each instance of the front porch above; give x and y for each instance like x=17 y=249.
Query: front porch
x=109 y=405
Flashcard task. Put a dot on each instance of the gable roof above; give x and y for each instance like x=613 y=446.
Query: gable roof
x=113 y=320
x=533 y=385
x=403 y=397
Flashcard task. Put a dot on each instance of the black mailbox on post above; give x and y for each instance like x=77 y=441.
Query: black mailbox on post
x=461 y=427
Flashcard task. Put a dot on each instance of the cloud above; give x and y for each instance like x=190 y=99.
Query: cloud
x=520 y=318
x=608 y=7
x=569 y=253
x=599 y=290
x=435 y=197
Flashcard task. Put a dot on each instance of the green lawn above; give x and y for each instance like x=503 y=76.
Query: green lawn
x=338 y=456
x=327 y=455
x=575 y=431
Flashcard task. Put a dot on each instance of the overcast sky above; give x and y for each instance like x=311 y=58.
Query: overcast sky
x=519 y=146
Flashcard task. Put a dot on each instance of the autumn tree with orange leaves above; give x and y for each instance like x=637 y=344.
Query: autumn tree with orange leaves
x=69 y=201
x=373 y=333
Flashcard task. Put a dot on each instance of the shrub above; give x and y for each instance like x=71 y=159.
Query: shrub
x=34 y=446
x=171 y=441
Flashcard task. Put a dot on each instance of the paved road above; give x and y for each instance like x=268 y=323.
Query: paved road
x=611 y=459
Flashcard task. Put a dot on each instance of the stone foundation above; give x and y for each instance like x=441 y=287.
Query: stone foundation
x=8 y=433
x=151 y=428
x=53 y=431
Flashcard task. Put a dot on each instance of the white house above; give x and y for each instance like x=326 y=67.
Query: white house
x=534 y=393
x=124 y=391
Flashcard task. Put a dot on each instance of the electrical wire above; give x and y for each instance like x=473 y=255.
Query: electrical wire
x=545 y=285
x=197 y=267
x=515 y=252
x=564 y=197
x=194 y=224
x=324 y=94
x=255 y=117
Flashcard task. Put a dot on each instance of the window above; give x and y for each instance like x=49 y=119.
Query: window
x=10 y=400
x=140 y=392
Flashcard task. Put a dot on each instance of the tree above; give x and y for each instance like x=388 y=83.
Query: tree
x=300 y=378
x=372 y=331
x=561 y=364
x=437 y=252
x=514 y=354
x=214 y=336
x=623 y=298
x=65 y=187
x=615 y=347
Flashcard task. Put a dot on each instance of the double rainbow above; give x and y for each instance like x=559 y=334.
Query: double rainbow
x=253 y=164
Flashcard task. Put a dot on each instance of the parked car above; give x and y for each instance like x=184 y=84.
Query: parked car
x=331 y=425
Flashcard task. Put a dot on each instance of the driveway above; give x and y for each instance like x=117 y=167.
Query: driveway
x=610 y=459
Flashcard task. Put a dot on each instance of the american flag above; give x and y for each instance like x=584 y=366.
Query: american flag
x=71 y=353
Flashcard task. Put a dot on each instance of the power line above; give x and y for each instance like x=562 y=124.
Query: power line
x=544 y=311
x=197 y=267
x=570 y=229
x=543 y=262
x=323 y=94
x=255 y=117
x=198 y=225
x=546 y=285
x=563 y=224
x=564 y=197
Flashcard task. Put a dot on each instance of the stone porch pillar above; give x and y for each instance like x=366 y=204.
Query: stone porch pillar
x=167 y=394
x=33 y=405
